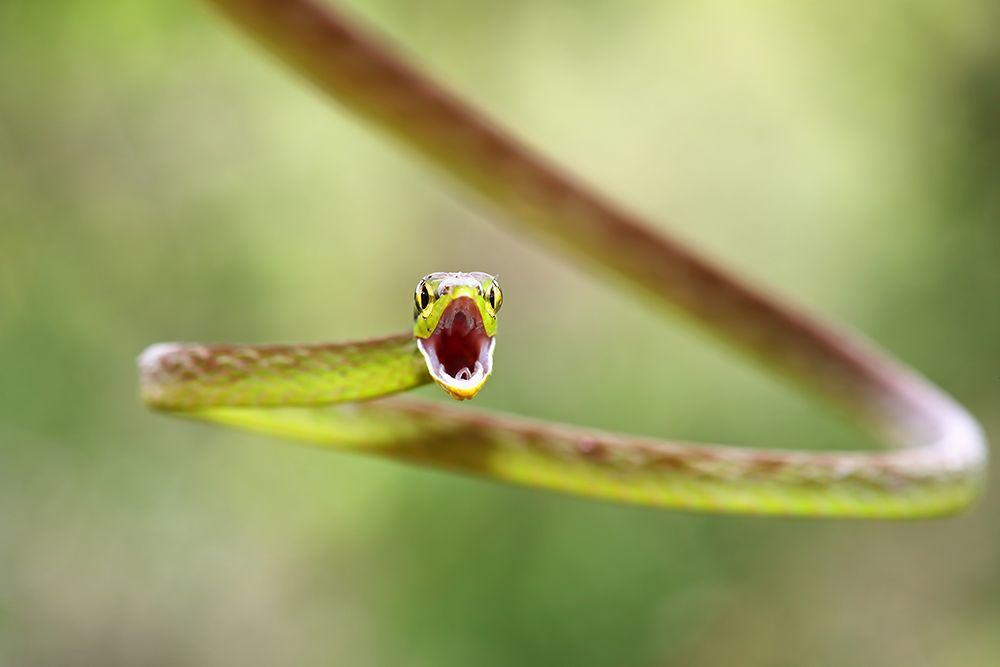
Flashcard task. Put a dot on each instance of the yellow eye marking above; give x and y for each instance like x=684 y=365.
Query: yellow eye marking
x=422 y=298
x=494 y=297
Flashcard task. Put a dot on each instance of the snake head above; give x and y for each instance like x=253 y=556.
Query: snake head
x=455 y=324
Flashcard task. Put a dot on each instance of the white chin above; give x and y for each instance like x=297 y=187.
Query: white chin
x=463 y=382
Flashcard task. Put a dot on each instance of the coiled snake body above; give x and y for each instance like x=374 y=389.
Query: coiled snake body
x=937 y=454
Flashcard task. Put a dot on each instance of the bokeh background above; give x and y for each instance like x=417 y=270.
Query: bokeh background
x=161 y=178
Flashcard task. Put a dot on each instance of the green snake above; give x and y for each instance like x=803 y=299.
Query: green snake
x=326 y=394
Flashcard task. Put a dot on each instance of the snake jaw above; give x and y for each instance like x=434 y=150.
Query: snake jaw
x=459 y=352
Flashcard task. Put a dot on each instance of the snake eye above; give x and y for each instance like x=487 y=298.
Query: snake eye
x=495 y=296
x=422 y=298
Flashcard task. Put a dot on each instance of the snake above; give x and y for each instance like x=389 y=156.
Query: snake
x=345 y=395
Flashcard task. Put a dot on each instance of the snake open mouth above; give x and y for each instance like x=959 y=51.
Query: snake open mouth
x=459 y=353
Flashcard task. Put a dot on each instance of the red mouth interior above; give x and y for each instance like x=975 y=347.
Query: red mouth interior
x=460 y=339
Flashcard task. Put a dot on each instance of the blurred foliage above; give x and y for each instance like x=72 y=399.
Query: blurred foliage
x=162 y=179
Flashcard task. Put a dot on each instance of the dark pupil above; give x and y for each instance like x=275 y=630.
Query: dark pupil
x=493 y=297
x=425 y=297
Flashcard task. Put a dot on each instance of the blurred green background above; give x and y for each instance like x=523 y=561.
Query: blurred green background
x=163 y=179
